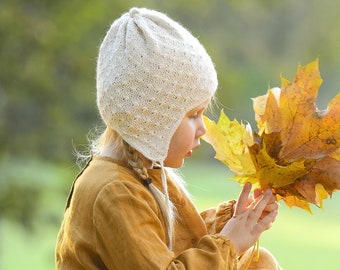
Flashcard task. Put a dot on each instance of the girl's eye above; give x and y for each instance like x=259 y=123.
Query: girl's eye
x=194 y=116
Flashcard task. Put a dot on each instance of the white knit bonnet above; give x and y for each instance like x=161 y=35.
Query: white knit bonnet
x=150 y=72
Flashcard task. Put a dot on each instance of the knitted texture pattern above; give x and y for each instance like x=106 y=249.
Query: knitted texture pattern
x=150 y=72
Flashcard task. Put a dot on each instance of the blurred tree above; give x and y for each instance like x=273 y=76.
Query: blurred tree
x=47 y=87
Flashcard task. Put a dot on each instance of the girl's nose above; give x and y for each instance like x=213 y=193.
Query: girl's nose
x=201 y=129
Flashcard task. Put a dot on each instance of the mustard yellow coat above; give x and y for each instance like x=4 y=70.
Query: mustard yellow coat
x=112 y=221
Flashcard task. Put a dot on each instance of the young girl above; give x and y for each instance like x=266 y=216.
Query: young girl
x=127 y=209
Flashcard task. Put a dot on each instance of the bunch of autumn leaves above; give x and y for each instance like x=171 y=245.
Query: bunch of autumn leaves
x=296 y=149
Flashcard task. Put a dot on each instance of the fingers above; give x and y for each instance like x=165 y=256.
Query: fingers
x=257 y=193
x=259 y=204
x=264 y=211
x=250 y=220
x=271 y=207
x=259 y=208
x=242 y=201
x=266 y=222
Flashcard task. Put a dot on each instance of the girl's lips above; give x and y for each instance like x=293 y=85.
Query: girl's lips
x=189 y=154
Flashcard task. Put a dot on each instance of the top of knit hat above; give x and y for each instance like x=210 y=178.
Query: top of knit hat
x=151 y=71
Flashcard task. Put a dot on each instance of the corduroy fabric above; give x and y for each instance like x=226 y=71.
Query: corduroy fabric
x=113 y=222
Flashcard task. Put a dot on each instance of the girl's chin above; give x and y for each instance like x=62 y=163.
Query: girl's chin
x=175 y=164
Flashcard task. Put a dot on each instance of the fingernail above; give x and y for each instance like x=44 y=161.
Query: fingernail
x=275 y=212
x=268 y=191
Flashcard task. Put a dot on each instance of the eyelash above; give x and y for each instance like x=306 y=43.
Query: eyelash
x=196 y=115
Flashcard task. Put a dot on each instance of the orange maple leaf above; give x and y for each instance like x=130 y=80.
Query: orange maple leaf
x=296 y=151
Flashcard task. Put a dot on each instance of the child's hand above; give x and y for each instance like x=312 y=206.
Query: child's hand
x=271 y=206
x=251 y=218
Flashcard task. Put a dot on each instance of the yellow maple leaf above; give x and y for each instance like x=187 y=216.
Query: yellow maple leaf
x=296 y=150
x=305 y=130
x=231 y=140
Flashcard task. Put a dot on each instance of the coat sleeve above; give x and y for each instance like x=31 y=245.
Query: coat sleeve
x=215 y=218
x=130 y=235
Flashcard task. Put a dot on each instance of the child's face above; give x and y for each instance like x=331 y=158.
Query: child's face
x=187 y=136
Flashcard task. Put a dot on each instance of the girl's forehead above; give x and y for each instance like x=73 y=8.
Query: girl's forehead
x=203 y=105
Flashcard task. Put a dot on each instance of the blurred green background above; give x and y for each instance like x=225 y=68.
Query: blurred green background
x=48 y=53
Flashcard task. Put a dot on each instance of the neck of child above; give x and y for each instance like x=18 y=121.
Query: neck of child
x=118 y=155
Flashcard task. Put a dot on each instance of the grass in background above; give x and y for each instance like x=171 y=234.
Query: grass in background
x=30 y=245
x=298 y=239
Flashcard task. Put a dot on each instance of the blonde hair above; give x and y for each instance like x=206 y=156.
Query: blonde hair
x=111 y=144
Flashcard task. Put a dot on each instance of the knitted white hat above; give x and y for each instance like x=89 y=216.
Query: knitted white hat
x=151 y=71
